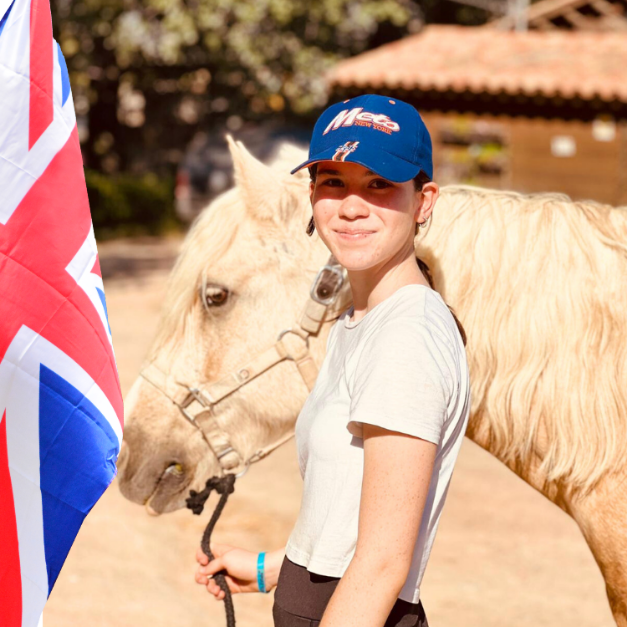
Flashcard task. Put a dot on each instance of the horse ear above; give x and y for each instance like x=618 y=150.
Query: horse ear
x=258 y=183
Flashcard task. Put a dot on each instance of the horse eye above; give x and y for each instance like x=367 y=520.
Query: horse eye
x=214 y=296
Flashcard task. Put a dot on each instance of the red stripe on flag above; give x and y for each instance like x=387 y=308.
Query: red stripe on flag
x=41 y=66
x=10 y=577
x=96 y=268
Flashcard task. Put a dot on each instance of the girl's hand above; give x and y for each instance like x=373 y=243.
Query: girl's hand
x=240 y=567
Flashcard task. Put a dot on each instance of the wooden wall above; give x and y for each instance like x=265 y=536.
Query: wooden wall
x=596 y=169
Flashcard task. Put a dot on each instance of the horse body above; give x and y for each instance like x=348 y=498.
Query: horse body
x=537 y=281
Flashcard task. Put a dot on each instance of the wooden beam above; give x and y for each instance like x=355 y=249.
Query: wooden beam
x=553 y=8
x=575 y=18
x=606 y=8
x=542 y=24
x=616 y=23
x=543 y=10
x=540 y=14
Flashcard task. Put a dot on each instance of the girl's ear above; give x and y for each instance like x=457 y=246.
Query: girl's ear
x=312 y=187
x=418 y=202
x=430 y=192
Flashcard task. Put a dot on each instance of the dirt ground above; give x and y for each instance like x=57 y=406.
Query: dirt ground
x=504 y=556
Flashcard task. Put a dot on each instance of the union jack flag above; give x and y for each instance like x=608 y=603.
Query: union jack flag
x=61 y=407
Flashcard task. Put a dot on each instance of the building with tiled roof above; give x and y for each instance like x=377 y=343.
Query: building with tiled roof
x=551 y=106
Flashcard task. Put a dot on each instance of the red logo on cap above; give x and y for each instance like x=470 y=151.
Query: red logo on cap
x=344 y=150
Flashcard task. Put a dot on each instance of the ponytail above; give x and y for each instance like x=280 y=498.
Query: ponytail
x=424 y=268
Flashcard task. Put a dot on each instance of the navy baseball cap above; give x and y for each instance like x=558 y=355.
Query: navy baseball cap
x=383 y=134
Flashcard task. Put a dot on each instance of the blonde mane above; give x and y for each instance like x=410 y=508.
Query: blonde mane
x=539 y=283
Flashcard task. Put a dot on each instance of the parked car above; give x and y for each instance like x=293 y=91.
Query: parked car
x=206 y=169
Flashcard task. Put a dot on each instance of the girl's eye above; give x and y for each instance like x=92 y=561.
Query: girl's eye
x=380 y=183
x=332 y=182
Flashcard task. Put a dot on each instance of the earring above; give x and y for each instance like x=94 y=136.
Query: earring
x=422 y=225
x=310 y=227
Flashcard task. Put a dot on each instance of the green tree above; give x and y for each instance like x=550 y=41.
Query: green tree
x=270 y=53
x=147 y=74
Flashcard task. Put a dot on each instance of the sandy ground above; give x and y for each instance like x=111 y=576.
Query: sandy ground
x=504 y=556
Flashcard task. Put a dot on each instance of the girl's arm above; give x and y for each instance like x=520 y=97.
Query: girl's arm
x=397 y=473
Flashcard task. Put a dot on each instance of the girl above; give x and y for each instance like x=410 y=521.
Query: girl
x=379 y=434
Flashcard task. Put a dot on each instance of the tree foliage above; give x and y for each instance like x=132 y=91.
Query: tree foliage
x=274 y=52
x=147 y=74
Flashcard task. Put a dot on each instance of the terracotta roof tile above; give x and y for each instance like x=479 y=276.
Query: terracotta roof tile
x=566 y=63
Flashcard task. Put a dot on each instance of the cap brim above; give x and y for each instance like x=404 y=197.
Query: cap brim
x=383 y=163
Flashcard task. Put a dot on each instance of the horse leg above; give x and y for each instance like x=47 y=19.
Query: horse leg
x=602 y=518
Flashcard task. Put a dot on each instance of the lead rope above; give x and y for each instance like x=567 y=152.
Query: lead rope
x=224 y=486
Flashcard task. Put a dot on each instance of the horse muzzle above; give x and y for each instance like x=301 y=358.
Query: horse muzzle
x=159 y=485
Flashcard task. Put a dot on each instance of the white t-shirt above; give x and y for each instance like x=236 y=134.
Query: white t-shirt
x=402 y=367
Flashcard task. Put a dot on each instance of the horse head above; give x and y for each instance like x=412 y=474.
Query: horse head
x=230 y=366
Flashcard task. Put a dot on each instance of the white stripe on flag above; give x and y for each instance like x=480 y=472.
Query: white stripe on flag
x=80 y=269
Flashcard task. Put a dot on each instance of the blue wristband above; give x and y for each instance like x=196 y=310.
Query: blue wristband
x=261 y=581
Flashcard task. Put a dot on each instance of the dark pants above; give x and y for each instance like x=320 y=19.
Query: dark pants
x=301 y=598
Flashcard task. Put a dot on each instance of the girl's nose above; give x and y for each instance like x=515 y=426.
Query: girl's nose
x=353 y=206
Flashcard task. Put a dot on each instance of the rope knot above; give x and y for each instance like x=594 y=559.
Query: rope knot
x=224 y=485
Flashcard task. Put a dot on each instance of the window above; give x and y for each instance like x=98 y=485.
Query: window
x=472 y=151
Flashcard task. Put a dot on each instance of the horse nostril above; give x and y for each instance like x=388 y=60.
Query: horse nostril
x=174 y=469
x=171 y=479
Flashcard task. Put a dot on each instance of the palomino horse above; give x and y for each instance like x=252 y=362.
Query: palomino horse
x=538 y=282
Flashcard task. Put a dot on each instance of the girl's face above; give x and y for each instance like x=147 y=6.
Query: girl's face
x=364 y=219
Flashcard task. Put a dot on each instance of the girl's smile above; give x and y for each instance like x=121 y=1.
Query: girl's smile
x=354 y=235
